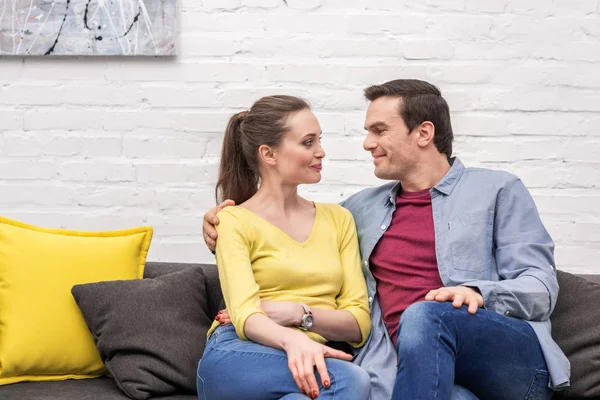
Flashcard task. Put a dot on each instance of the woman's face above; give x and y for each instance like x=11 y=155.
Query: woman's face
x=300 y=154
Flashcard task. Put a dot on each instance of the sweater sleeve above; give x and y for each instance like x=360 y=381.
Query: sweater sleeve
x=353 y=295
x=240 y=289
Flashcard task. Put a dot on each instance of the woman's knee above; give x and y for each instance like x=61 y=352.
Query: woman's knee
x=351 y=380
x=363 y=381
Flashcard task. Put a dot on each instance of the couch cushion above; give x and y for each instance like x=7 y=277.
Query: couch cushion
x=575 y=328
x=592 y=278
x=88 y=389
x=42 y=333
x=150 y=332
x=213 y=286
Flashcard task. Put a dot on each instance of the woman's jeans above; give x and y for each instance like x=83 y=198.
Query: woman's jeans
x=232 y=368
x=493 y=356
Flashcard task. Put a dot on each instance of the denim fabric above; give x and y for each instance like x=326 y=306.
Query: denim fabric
x=488 y=234
x=462 y=393
x=232 y=368
x=439 y=345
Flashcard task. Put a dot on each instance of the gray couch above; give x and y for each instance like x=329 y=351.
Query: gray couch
x=104 y=388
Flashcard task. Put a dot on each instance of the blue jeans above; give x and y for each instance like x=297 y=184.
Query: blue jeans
x=491 y=355
x=232 y=368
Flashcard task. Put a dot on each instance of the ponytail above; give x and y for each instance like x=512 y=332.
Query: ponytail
x=264 y=124
x=237 y=180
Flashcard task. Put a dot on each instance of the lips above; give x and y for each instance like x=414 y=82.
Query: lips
x=377 y=157
x=318 y=167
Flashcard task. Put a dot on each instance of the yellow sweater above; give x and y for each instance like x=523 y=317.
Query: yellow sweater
x=258 y=261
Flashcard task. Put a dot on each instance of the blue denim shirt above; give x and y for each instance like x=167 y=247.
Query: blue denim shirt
x=488 y=234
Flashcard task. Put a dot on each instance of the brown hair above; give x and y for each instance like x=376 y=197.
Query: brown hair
x=421 y=101
x=264 y=123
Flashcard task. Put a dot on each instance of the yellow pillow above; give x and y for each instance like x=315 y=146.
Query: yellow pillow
x=42 y=333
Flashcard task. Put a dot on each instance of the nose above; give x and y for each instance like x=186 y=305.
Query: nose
x=320 y=153
x=369 y=142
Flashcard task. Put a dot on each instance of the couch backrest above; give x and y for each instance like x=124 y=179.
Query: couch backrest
x=593 y=278
x=213 y=287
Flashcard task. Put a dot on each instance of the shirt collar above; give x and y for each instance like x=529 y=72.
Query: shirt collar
x=449 y=181
x=445 y=186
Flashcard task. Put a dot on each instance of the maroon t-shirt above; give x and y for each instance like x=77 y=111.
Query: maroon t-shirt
x=404 y=262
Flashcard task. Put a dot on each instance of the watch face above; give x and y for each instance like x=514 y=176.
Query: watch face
x=308 y=321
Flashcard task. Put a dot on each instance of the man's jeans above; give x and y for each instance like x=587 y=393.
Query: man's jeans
x=492 y=355
x=232 y=368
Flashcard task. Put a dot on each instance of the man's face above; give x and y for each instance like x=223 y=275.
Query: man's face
x=394 y=148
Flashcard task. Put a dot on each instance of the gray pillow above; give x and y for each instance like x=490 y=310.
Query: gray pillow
x=576 y=329
x=150 y=333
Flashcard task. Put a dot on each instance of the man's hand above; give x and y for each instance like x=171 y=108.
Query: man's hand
x=458 y=295
x=210 y=221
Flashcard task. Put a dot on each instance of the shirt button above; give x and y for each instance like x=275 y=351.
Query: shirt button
x=506 y=312
x=382 y=227
x=370 y=299
x=365 y=263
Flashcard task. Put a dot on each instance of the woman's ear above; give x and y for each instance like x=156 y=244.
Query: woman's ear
x=426 y=133
x=267 y=154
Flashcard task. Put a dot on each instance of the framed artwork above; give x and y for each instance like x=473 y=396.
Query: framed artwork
x=87 y=27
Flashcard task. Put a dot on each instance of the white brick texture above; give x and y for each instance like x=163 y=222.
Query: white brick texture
x=108 y=143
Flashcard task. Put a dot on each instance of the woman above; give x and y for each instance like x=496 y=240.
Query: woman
x=289 y=268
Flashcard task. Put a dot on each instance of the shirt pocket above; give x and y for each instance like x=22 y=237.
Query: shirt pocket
x=471 y=241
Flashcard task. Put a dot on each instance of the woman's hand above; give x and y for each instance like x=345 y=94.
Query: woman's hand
x=304 y=355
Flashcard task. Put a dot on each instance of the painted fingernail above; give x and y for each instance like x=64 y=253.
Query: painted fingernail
x=315 y=394
x=326 y=384
x=218 y=317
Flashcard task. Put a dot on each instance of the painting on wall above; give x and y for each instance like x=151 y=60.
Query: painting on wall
x=87 y=27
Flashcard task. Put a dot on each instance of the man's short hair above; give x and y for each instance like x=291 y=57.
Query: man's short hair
x=420 y=101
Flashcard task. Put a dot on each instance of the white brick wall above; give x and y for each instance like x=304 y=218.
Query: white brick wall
x=101 y=143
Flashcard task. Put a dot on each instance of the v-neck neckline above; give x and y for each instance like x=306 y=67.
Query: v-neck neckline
x=285 y=234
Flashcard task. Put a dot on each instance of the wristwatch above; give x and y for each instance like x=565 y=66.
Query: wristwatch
x=307 y=319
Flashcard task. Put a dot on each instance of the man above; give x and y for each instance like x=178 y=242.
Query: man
x=459 y=267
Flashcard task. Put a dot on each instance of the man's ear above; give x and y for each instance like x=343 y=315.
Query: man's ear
x=426 y=133
x=267 y=154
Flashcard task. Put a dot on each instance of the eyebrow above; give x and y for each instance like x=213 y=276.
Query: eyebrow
x=314 y=134
x=376 y=124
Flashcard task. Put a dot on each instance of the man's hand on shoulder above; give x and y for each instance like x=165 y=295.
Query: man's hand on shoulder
x=458 y=295
x=209 y=231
